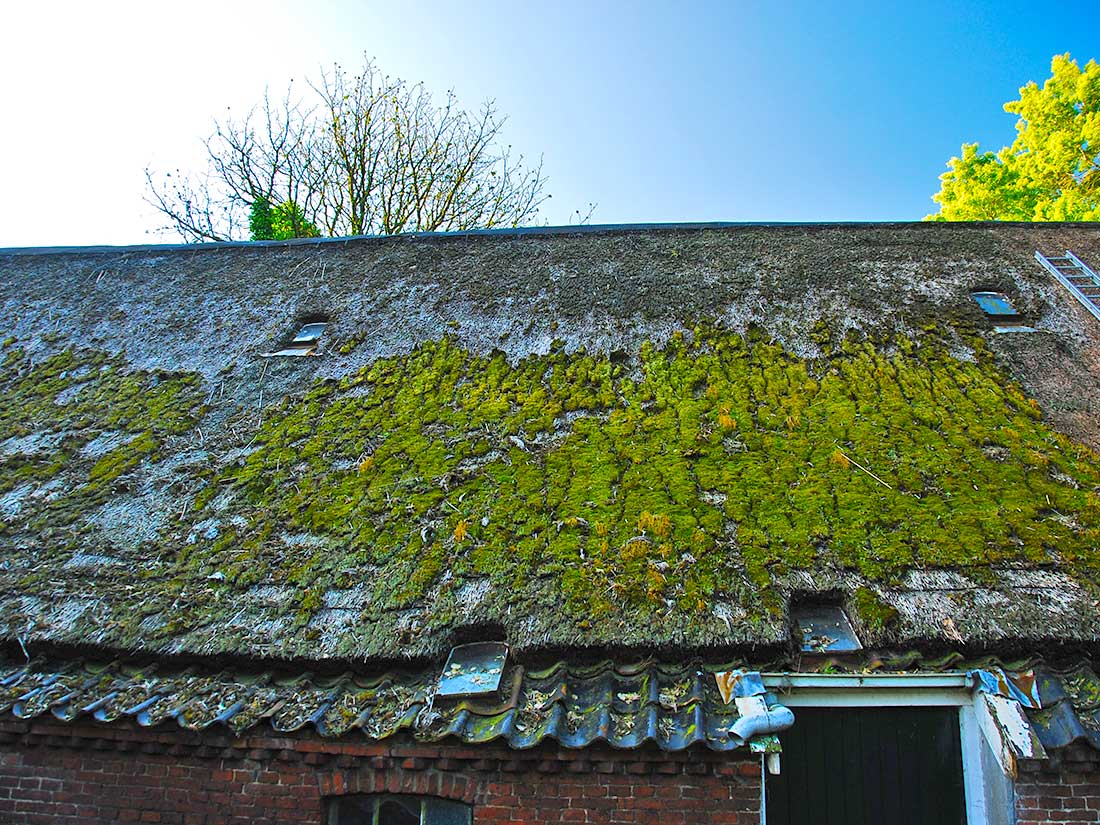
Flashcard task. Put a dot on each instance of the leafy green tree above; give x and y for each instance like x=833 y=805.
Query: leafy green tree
x=279 y=223
x=288 y=221
x=1051 y=172
x=259 y=220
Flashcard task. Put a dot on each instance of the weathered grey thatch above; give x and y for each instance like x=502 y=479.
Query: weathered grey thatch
x=142 y=430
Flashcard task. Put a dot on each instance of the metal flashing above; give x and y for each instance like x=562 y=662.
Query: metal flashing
x=473 y=670
x=1020 y=687
x=290 y=352
x=825 y=629
x=309 y=333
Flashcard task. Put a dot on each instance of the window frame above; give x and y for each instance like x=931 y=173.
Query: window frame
x=332 y=805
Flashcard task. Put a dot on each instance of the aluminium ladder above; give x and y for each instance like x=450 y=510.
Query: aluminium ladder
x=1072 y=273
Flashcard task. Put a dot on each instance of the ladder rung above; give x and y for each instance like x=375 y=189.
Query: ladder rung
x=1076 y=276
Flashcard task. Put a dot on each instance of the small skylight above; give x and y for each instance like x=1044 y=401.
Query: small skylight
x=825 y=629
x=305 y=342
x=310 y=333
x=473 y=670
x=995 y=304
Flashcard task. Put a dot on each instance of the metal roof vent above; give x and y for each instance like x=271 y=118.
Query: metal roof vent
x=825 y=629
x=305 y=342
x=473 y=670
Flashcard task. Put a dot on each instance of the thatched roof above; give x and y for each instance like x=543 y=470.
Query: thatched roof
x=645 y=439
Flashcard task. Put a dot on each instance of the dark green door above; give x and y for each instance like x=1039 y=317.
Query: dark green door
x=869 y=766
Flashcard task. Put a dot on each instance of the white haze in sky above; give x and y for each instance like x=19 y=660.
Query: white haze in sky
x=95 y=92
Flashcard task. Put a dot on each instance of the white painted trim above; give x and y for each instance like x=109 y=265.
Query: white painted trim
x=779 y=681
x=973 y=779
x=870 y=690
x=873 y=698
x=1007 y=730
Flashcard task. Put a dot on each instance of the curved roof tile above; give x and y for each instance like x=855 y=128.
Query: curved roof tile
x=624 y=704
x=628 y=706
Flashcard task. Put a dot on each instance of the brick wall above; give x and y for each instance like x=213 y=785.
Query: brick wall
x=57 y=773
x=1063 y=789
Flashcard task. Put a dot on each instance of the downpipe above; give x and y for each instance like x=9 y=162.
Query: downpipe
x=757 y=719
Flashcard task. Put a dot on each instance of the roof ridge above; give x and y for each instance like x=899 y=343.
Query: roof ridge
x=525 y=231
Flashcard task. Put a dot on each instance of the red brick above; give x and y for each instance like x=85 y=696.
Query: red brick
x=196 y=779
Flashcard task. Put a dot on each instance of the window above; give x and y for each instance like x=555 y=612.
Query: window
x=305 y=342
x=395 y=809
x=995 y=305
x=998 y=308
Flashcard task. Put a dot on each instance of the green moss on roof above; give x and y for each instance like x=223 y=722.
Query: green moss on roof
x=710 y=466
x=68 y=400
x=599 y=498
x=873 y=613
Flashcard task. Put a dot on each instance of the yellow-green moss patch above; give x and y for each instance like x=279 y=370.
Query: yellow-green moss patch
x=715 y=464
x=874 y=614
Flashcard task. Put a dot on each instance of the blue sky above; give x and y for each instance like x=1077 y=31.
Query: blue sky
x=708 y=111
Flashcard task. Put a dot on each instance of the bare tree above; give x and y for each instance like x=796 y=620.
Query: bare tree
x=366 y=154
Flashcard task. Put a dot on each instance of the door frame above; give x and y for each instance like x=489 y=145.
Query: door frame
x=983 y=783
